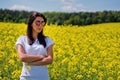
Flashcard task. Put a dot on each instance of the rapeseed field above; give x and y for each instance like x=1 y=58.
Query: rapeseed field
x=80 y=52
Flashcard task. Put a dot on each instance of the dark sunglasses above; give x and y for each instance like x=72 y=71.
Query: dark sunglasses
x=38 y=23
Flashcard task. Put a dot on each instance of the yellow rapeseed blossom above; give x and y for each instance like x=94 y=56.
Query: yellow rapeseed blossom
x=28 y=67
x=110 y=78
x=11 y=61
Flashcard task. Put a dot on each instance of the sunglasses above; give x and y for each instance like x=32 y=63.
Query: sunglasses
x=38 y=23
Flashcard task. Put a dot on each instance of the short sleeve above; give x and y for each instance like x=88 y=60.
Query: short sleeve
x=20 y=40
x=49 y=42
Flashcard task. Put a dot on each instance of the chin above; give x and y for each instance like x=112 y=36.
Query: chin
x=39 y=31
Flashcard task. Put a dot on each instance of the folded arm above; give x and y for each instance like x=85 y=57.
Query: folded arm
x=46 y=60
x=28 y=58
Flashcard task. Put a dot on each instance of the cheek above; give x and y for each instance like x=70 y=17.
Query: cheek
x=33 y=26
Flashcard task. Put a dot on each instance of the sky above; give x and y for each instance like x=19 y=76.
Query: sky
x=61 y=5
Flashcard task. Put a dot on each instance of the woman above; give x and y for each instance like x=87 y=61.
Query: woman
x=35 y=50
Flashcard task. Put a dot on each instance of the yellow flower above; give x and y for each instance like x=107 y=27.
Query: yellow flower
x=110 y=78
x=79 y=77
x=93 y=70
x=100 y=74
x=118 y=78
x=85 y=63
x=28 y=67
x=11 y=62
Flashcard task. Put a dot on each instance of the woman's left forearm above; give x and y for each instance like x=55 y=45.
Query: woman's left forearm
x=45 y=61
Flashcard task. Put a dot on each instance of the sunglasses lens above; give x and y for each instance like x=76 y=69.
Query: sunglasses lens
x=37 y=23
x=40 y=22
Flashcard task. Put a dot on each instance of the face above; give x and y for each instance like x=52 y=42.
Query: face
x=38 y=24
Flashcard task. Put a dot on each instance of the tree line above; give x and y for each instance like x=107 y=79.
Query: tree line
x=62 y=18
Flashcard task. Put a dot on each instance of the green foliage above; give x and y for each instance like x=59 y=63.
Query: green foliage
x=62 y=18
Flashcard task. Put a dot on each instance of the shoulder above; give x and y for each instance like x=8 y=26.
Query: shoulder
x=49 y=41
x=47 y=38
x=22 y=38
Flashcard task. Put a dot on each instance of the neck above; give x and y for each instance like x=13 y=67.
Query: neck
x=35 y=35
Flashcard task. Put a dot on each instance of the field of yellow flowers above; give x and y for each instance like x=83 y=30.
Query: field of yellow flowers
x=80 y=52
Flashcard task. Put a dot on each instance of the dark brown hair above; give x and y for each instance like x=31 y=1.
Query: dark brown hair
x=41 y=37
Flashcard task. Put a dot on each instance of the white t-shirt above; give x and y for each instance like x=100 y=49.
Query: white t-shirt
x=30 y=72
